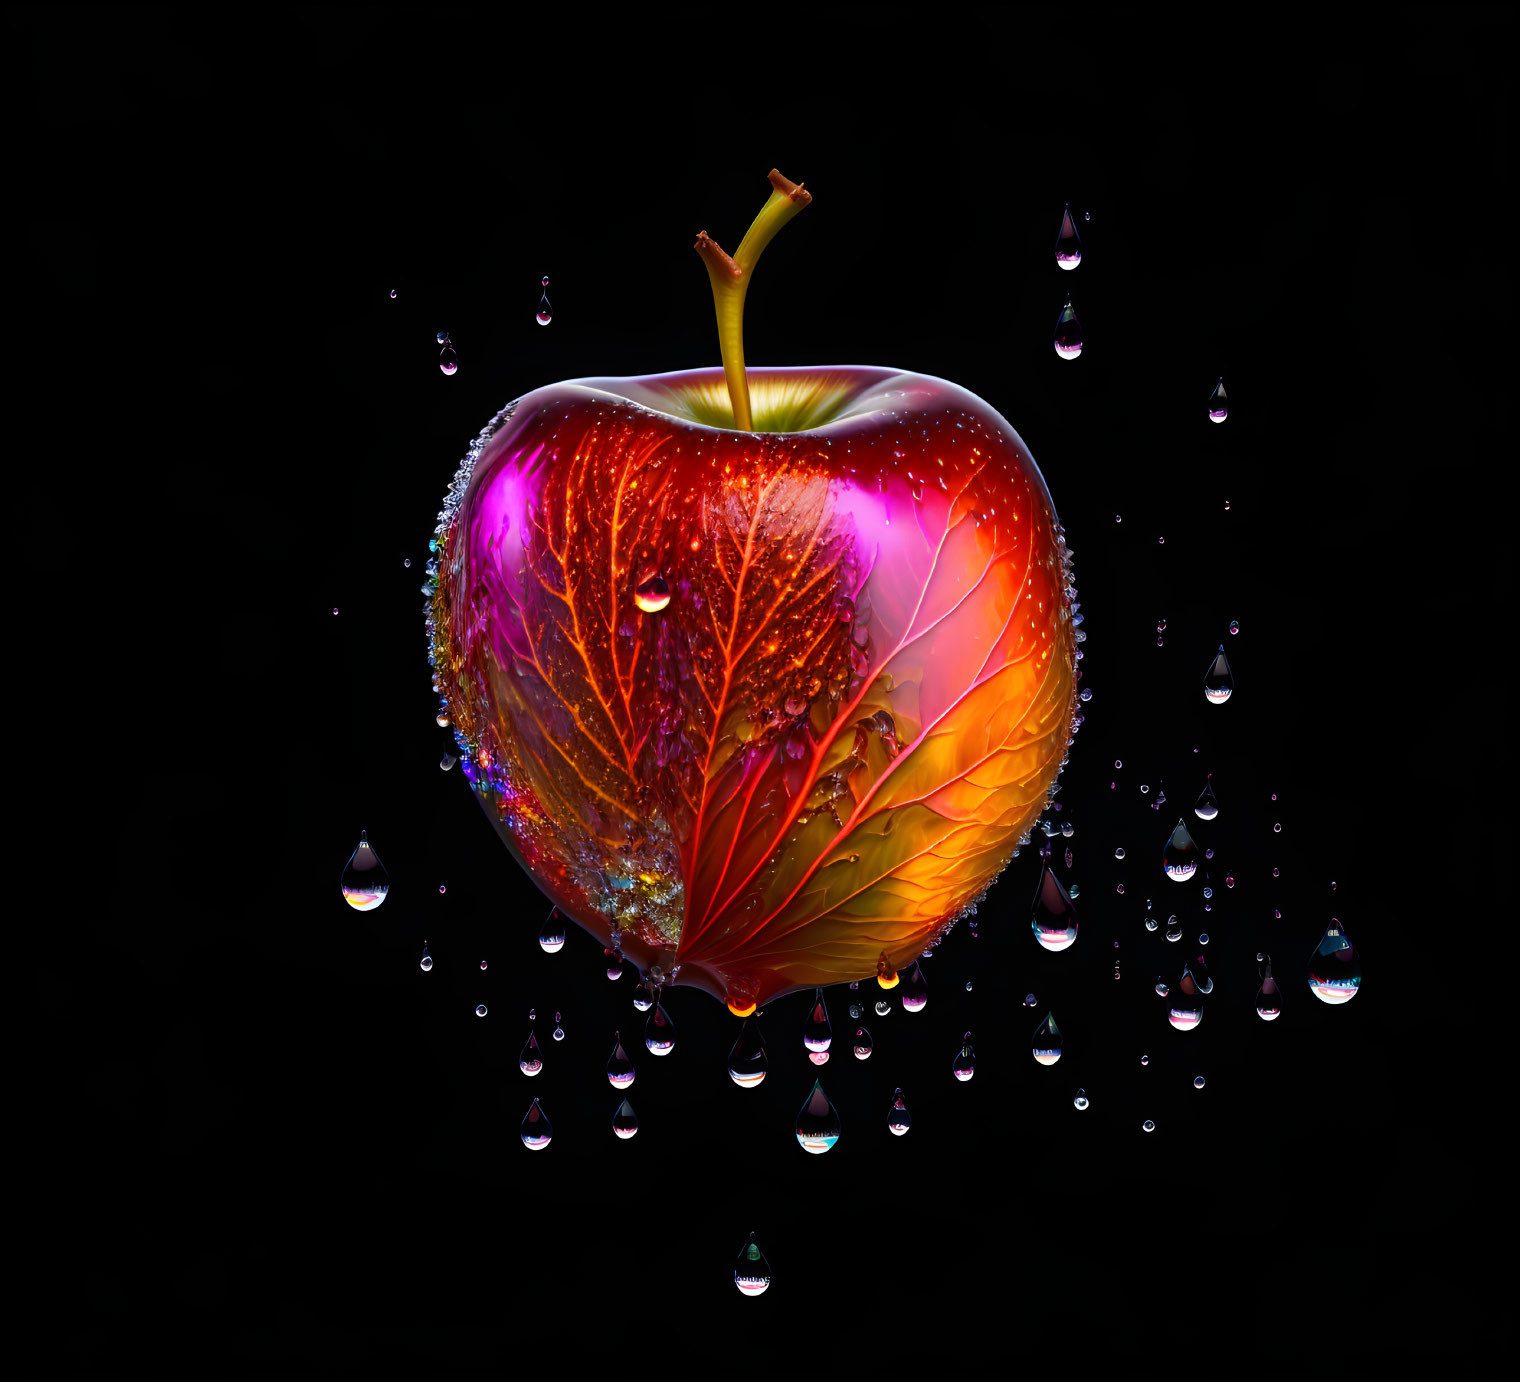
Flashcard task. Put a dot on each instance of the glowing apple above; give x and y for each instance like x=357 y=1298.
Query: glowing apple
x=763 y=675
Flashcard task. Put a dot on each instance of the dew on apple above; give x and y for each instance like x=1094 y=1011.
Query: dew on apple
x=1068 y=333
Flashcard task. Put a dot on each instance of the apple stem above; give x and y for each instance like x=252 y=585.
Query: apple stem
x=730 y=280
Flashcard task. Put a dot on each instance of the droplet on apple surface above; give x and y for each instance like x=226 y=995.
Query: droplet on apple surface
x=652 y=594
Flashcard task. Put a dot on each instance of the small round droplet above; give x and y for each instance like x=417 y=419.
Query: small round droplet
x=480 y=1010
x=482 y=964
x=1148 y=1126
x=1203 y=939
x=1198 y=1082
x=1080 y=1102
x=406 y=562
x=652 y=594
x=427 y=960
x=393 y=292
x=1145 y=1060
x=882 y=1007
x=1119 y=853
x=1234 y=626
x=443 y=337
x=1029 y=1000
x=442 y=888
x=335 y=609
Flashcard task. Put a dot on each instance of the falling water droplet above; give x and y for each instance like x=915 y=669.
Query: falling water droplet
x=545 y=312
x=393 y=292
x=1186 y=1010
x=1055 y=915
x=915 y=990
x=883 y=1007
x=817 y=1032
x=964 y=1065
x=1234 y=626
x=536 y=1128
x=899 y=1120
x=862 y=1044
x=448 y=361
x=620 y=1070
x=1218 y=682
x=443 y=338
x=1148 y=1126
x=1047 y=1041
x=1335 y=973
x=660 y=1032
x=447 y=761
x=752 y=1273
x=1179 y=860
x=643 y=998
x=1198 y=1081
x=559 y=1032
x=1068 y=243
x=1068 y=333
x=652 y=594
x=1219 y=407
x=746 y=1059
x=427 y=960
x=480 y=1010
x=624 y=1121
x=1268 y=999
x=1080 y=1101
x=365 y=882
x=530 y=1059
x=552 y=938
x=817 y=1122
x=1207 y=805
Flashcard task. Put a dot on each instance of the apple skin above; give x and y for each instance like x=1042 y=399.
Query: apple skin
x=759 y=710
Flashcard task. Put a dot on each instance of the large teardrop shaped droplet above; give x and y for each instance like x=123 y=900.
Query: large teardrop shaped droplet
x=536 y=1129
x=1186 y=1009
x=625 y=1121
x=365 y=881
x=752 y=1273
x=746 y=1060
x=1207 y=805
x=530 y=1060
x=1068 y=243
x=1219 y=406
x=817 y=1122
x=1268 y=996
x=1218 y=681
x=552 y=937
x=1179 y=860
x=1335 y=973
x=659 y=1032
x=619 y=1068
x=963 y=1067
x=862 y=1044
x=643 y=998
x=915 y=989
x=1068 y=334
x=1055 y=915
x=1047 y=1041
x=899 y=1120
x=817 y=1033
x=448 y=361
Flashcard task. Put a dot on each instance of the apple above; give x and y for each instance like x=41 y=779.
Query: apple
x=762 y=674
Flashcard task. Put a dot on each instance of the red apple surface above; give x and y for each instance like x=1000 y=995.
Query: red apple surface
x=760 y=708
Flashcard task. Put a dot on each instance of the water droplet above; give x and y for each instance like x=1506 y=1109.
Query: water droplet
x=968 y=985
x=545 y=311
x=1268 y=997
x=365 y=882
x=660 y=1032
x=559 y=1032
x=1029 y=1000
x=652 y=594
x=1161 y=987
x=620 y=1070
x=1335 y=972
x=443 y=338
x=915 y=990
x=407 y=562
x=552 y=937
x=862 y=1045
x=536 y=1129
x=1148 y=1125
x=1145 y=1060
x=643 y=998
x=1047 y=1041
x=1219 y=682
x=1207 y=805
x=427 y=960
x=899 y=1120
x=448 y=361
x=883 y=1007
x=1119 y=853
x=1198 y=1081
x=964 y=1064
x=1234 y=626
x=817 y=1122
x=1080 y=1102
x=752 y=1273
x=1055 y=915
x=530 y=1059
x=393 y=292
x=482 y=964
x=747 y=1060
x=447 y=761
x=1179 y=860
x=624 y=1121
x=1219 y=407
x=817 y=1032
x=1068 y=243
x=480 y=1010
x=1068 y=333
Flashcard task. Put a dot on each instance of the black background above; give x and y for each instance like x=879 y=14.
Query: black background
x=263 y=1142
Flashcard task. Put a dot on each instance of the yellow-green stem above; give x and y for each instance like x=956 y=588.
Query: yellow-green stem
x=730 y=280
